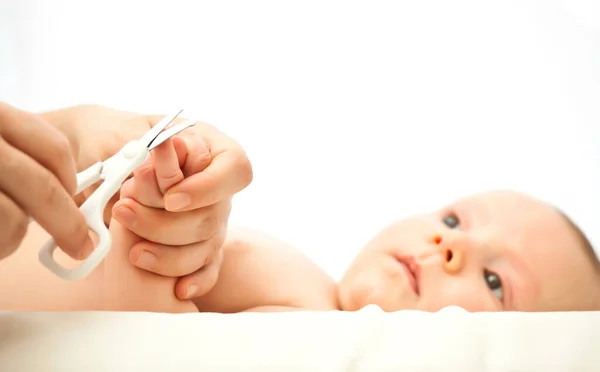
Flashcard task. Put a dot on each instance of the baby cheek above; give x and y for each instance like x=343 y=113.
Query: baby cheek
x=376 y=280
x=409 y=236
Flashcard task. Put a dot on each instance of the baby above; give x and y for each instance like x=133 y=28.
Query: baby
x=493 y=251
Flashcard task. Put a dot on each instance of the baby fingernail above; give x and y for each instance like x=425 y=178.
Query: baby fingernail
x=125 y=215
x=192 y=288
x=176 y=202
x=146 y=260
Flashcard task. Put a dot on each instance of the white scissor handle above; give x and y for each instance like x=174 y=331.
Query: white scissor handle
x=89 y=177
x=116 y=170
x=93 y=210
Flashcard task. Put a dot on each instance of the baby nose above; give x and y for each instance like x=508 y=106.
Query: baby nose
x=453 y=256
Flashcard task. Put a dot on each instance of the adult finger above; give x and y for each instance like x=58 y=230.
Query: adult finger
x=200 y=282
x=216 y=169
x=13 y=228
x=42 y=142
x=161 y=226
x=39 y=193
x=226 y=175
x=172 y=261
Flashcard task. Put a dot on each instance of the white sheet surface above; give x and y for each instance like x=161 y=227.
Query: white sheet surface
x=369 y=340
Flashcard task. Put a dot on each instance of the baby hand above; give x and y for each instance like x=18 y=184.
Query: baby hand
x=176 y=244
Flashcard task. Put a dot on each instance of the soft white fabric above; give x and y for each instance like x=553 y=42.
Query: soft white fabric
x=368 y=340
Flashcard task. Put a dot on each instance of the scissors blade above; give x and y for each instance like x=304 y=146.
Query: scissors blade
x=151 y=135
x=163 y=136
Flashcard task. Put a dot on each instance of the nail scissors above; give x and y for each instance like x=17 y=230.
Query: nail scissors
x=113 y=171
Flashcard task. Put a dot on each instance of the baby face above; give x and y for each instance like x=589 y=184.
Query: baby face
x=489 y=252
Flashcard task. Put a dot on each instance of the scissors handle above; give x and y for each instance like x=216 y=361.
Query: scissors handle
x=115 y=171
x=89 y=177
x=93 y=212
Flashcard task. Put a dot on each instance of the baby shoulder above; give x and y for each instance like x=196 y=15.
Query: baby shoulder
x=261 y=271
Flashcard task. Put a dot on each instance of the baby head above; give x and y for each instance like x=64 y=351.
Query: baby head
x=494 y=251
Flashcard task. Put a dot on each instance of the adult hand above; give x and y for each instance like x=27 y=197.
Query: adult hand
x=37 y=179
x=95 y=134
x=182 y=216
x=179 y=201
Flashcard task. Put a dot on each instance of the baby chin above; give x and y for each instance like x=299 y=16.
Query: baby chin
x=380 y=280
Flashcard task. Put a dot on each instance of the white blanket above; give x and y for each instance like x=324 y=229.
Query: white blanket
x=368 y=340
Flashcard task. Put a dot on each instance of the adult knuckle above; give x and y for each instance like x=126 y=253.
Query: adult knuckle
x=79 y=230
x=7 y=162
x=209 y=280
x=62 y=146
x=61 y=156
x=60 y=151
x=207 y=226
x=219 y=240
x=243 y=168
x=16 y=233
x=51 y=190
x=206 y=255
x=213 y=248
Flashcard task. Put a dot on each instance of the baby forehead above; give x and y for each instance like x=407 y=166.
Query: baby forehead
x=523 y=223
x=512 y=212
x=506 y=201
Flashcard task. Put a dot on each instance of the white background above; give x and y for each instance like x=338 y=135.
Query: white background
x=353 y=113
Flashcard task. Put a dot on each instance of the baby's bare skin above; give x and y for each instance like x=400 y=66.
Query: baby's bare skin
x=519 y=242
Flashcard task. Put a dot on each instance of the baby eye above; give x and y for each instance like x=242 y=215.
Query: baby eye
x=492 y=280
x=451 y=221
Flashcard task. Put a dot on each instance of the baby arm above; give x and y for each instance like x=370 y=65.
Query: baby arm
x=261 y=273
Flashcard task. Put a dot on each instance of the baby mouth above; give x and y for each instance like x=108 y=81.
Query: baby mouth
x=411 y=268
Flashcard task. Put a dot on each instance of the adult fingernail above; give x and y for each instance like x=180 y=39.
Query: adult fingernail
x=146 y=260
x=125 y=216
x=192 y=288
x=176 y=202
